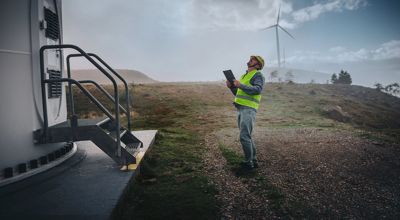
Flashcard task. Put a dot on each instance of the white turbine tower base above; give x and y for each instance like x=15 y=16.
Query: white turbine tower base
x=276 y=26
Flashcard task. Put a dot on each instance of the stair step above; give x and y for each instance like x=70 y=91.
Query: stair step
x=83 y=122
x=134 y=145
x=103 y=133
x=107 y=124
x=131 y=151
x=113 y=134
x=104 y=121
x=130 y=140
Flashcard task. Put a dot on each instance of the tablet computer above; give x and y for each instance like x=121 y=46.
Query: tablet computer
x=229 y=76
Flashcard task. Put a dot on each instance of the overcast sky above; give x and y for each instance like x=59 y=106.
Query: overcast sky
x=194 y=40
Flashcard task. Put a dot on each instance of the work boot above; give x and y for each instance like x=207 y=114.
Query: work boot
x=246 y=165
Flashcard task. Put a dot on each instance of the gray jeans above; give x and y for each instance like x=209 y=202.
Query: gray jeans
x=246 y=120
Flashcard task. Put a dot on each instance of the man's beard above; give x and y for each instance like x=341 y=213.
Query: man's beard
x=251 y=66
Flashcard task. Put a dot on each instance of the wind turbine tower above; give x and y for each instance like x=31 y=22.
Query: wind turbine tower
x=284 y=58
x=277 y=26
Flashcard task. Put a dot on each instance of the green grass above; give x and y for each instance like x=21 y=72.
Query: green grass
x=380 y=135
x=287 y=105
x=171 y=184
x=231 y=156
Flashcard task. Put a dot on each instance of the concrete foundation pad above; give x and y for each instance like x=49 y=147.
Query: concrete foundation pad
x=86 y=186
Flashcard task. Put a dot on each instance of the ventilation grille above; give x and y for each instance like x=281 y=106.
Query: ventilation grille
x=54 y=88
x=53 y=28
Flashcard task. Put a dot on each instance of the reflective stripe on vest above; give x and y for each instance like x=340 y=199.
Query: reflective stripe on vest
x=245 y=99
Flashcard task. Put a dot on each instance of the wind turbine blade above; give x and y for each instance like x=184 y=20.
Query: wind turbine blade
x=286 y=31
x=279 y=13
x=268 y=27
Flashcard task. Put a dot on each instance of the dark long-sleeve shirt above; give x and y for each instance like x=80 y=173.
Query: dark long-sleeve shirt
x=257 y=85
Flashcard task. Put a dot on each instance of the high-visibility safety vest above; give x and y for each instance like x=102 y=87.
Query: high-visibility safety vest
x=242 y=98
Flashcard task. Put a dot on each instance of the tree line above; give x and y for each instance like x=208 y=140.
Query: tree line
x=393 y=89
x=342 y=78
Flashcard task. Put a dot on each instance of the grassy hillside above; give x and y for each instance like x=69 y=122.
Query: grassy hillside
x=131 y=76
x=299 y=76
x=313 y=164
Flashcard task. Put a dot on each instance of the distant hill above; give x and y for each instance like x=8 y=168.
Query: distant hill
x=300 y=76
x=131 y=76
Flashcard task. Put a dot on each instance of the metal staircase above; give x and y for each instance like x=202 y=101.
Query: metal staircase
x=107 y=133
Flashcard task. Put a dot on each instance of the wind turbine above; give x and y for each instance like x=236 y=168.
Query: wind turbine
x=276 y=26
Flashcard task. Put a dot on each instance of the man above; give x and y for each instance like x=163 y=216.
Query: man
x=247 y=93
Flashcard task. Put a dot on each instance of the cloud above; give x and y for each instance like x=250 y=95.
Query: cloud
x=337 y=49
x=234 y=14
x=253 y=14
x=386 y=51
x=314 y=11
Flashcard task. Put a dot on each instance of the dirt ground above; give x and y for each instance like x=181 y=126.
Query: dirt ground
x=321 y=174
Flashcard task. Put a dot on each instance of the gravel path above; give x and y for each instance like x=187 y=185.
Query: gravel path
x=332 y=174
x=236 y=197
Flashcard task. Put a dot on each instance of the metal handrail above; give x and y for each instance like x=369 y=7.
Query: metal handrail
x=115 y=73
x=43 y=81
x=87 y=93
x=102 y=90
